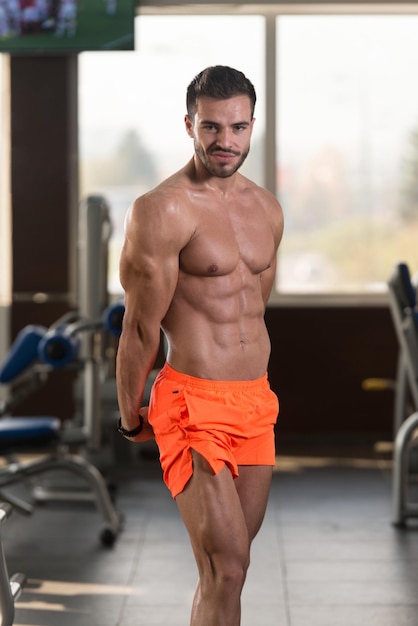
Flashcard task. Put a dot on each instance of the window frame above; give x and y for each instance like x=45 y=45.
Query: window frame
x=271 y=12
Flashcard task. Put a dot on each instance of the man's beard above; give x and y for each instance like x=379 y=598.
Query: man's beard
x=221 y=170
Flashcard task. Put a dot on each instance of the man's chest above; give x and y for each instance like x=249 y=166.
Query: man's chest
x=223 y=241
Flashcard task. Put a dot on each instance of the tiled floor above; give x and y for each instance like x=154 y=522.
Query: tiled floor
x=327 y=554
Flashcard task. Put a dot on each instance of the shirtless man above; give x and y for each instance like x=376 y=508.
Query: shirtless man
x=199 y=261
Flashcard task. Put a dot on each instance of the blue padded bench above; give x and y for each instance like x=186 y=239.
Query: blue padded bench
x=35 y=352
x=20 y=432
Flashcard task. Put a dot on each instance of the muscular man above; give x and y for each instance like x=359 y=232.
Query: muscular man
x=198 y=261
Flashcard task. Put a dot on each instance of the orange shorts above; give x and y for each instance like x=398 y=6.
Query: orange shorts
x=227 y=422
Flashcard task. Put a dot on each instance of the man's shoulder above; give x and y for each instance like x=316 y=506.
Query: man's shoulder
x=165 y=207
x=264 y=197
x=172 y=191
x=166 y=197
x=267 y=202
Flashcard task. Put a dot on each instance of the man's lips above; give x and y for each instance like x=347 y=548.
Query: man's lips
x=223 y=155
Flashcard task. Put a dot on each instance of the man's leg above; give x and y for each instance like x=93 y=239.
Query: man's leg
x=253 y=487
x=222 y=517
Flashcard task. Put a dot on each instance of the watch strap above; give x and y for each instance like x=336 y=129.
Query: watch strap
x=130 y=433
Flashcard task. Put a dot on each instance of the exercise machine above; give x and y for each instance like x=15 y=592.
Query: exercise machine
x=36 y=352
x=10 y=588
x=404 y=309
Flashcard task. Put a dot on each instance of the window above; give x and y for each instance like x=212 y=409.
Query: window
x=345 y=110
x=347 y=147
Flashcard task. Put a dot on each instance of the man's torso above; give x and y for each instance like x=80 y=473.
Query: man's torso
x=215 y=324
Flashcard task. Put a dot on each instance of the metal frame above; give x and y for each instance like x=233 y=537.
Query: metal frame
x=10 y=588
x=407 y=334
x=61 y=459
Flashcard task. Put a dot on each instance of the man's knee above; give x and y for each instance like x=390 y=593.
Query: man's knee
x=225 y=574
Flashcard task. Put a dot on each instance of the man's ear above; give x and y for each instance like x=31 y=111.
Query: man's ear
x=189 y=126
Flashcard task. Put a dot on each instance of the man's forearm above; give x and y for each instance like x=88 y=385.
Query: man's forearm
x=133 y=364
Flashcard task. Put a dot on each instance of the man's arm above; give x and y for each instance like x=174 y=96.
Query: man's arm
x=267 y=280
x=277 y=223
x=149 y=265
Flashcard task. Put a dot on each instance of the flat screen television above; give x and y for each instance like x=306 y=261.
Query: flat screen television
x=60 y=26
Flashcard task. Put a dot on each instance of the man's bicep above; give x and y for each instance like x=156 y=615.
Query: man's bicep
x=154 y=237
x=149 y=286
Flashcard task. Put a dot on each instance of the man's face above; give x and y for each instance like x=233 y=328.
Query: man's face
x=221 y=131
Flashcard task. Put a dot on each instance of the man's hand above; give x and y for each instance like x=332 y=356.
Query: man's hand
x=146 y=433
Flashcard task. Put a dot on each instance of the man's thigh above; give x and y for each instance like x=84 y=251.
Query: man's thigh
x=212 y=512
x=253 y=487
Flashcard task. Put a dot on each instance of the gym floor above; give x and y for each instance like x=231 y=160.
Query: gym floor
x=327 y=554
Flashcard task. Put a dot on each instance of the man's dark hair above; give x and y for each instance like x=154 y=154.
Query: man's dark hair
x=221 y=82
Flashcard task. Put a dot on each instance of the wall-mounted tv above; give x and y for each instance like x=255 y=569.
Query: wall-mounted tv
x=60 y=26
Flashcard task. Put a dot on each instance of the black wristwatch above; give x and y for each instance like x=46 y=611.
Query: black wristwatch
x=134 y=431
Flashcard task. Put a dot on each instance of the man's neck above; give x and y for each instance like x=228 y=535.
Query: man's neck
x=218 y=184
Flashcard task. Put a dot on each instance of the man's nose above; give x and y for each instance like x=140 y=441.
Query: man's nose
x=225 y=139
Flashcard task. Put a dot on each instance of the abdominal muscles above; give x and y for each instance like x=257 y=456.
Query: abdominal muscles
x=215 y=327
